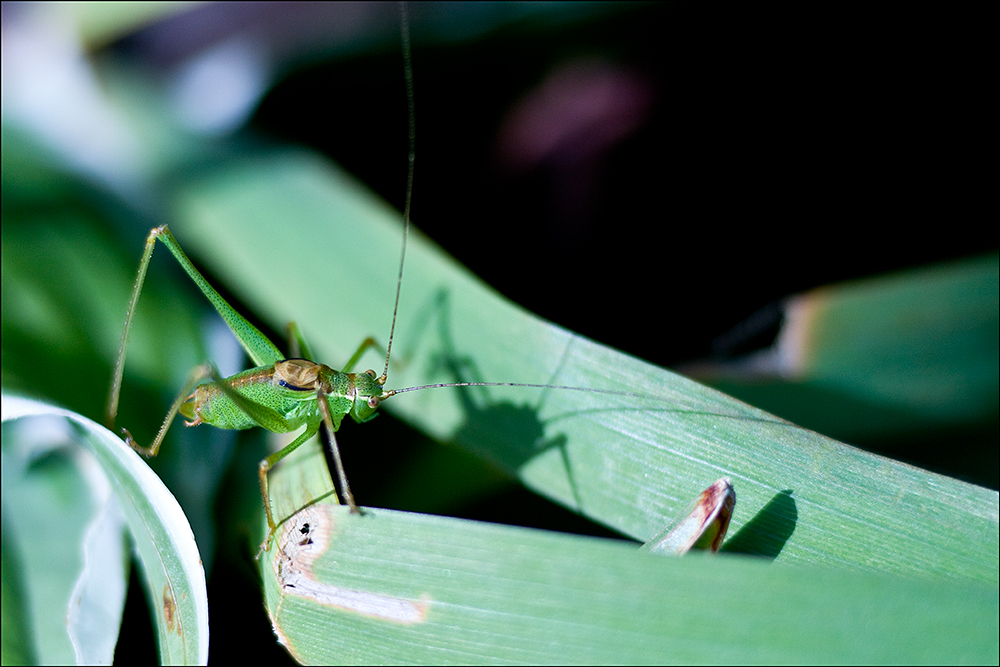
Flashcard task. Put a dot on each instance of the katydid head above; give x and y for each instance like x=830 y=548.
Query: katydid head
x=368 y=394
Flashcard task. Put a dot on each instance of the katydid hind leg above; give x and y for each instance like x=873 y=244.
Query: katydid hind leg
x=111 y=410
x=256 y=344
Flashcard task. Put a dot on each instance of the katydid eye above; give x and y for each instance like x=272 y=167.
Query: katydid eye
x=370 y=373
x=373 y=402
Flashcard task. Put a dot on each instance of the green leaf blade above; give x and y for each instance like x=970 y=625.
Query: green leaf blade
x=479 y=592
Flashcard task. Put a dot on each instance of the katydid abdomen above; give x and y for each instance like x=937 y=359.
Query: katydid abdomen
x=209 y=404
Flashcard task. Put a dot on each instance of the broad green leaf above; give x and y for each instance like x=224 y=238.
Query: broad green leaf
x=128 y=494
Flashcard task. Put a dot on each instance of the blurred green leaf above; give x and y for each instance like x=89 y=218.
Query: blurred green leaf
x=16 y=641
x=902 y=354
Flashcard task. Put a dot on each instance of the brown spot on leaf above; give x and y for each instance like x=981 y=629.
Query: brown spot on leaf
x=169 y=608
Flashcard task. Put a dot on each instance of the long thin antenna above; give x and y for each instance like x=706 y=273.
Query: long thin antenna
x=589 y=390
x=408 y=75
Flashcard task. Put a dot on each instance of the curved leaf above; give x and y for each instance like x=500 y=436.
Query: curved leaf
x=160 y=533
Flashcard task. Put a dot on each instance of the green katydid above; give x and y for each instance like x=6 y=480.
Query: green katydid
x=282 y=394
